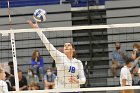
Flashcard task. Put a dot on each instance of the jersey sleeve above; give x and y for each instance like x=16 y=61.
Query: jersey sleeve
x=4 y=87
x=82 y=78
x=139 y=71
x=124 y=73
x=56 y=55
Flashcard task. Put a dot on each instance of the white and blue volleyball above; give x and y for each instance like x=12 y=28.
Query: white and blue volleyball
x=40 y=15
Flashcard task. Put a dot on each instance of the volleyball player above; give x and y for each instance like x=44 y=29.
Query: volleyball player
x=3 y=85
x=125 y=76
x=70 y=73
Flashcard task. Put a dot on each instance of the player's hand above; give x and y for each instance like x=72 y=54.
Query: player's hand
x=32 y=24
x=73 y=80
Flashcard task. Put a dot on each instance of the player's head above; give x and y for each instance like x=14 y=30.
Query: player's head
x=69 y=49
x=128 y=62
x=2 y=74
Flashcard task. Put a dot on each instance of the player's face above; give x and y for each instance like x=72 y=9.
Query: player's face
x=68 y=48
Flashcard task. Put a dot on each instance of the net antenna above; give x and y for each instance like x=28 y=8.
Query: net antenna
x=13 y=48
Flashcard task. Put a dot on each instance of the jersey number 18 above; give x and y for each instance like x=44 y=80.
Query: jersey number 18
x=72 y=69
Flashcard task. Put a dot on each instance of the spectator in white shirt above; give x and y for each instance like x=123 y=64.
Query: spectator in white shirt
x=125 y=76
x=3 y=85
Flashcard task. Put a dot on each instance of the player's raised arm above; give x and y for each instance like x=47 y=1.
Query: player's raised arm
x=52 y=50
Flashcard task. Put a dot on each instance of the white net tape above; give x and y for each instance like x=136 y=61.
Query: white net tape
x=73 y=28
x=81 y=89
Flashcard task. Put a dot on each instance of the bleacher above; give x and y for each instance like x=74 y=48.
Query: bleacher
x=74 y=3
x=92 y=46
x=22 y=3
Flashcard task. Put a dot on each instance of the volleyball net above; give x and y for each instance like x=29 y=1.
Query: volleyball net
x=17 y=45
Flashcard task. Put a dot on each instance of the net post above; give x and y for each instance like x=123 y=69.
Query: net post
x=14 y=60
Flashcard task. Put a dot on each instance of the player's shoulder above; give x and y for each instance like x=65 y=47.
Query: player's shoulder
x=124 y=68
x=2 y=83
x=77 y=60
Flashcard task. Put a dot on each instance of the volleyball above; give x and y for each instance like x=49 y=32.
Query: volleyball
x=40 y=15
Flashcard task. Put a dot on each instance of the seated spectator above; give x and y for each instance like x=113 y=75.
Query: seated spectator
x=38 y=64
x=10 y=64
x=22 y=81
x=49 y=79
x=136 y=51
x=118 y=59
x=138 y=61
x=138 y=70
x=135 y=55
x=54 y=68
x=33 y=81
x=33 y=86
x=3 y=85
